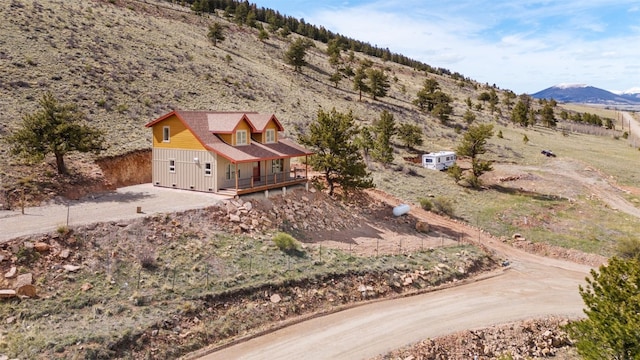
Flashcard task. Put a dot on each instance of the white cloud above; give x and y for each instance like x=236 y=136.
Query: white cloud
x=517 y=44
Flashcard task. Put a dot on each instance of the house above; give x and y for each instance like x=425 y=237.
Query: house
x=441 y=160
x=223 y=152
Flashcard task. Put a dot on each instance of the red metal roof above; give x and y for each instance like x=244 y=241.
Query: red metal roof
x=205 y=125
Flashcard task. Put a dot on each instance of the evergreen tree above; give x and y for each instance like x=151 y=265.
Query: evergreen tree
x=611 y=329
x=54 y=129
x=384 y=128
x=469 y=117
x=410 y=135
x=441 y=106
x=548 y=117
x=216 y=33
x=296 y=53
x=519 y=114
x=378 y=83
x=473 y=144
x=364 y=141
x=332 y=138
x=424 y=97
x=359 y=83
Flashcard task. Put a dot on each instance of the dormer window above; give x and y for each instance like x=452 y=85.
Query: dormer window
x=241 y=137
x=270 y=136
x=165 y=134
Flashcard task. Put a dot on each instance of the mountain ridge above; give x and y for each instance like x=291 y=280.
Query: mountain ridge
x=582 y=93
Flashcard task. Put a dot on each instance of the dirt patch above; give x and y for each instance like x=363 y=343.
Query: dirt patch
x=128 y=169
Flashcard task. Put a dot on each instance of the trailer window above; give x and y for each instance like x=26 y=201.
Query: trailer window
x=428 y=160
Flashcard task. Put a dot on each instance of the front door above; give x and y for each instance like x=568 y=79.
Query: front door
x=256 y=172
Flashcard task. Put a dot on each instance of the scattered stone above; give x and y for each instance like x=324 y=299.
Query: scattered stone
x=10 y=319
x=234 y=218
x=71 y=268
x=41 y=247
x=23 y=279
x=7 y=293
x=64 y=254
x=155 y=332
x=275 y=298
x=11 y=273
x=86 y=287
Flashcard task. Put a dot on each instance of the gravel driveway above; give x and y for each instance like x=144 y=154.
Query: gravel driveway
x=121 y=204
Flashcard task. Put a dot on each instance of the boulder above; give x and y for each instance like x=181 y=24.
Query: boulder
x=422 y=227
x=7 y=293
x=275 y=298
x=11 y=273
x=41 y=246
x=23 y=279
x=26 y=290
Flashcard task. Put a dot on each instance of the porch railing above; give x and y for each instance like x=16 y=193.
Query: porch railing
x=265 y=180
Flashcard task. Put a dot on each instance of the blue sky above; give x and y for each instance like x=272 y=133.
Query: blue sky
x=522 y=45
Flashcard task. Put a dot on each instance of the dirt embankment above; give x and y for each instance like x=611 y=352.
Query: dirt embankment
x=128 y=169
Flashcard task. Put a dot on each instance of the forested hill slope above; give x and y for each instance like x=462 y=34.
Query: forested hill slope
x=126 y=62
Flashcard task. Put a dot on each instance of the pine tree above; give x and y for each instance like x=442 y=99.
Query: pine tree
x=473 y=144
x=54 y=129
x=296 y=53
x=410 y=135
x=384 y=128
x=216 y=33
x=611 y=329
x=332 y=137
x=378 y=83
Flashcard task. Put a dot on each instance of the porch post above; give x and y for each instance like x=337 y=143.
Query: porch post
x=306 y=166
x=237 y=175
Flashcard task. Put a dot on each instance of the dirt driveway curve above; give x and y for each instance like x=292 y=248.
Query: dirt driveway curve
x=121 y=204
x=531 y=286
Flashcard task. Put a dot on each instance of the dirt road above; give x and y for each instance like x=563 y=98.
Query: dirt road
x=531 y=286
x=634 y=128
x=112 y=206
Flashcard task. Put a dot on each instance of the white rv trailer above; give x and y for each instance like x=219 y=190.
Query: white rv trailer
x=441 y=160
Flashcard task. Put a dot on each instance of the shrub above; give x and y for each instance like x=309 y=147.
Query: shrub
x=147 y=257
x=455 y=172
x=286 y=243
x=443 y=205
x=425 y=204
x=628 y=249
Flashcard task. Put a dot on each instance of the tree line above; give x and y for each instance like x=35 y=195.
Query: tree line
x=249 y=14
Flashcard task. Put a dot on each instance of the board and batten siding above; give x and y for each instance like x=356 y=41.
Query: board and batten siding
x=189 y=170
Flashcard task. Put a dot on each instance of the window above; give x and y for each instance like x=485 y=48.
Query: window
x=207 y=169
x=165 y=134
x=231 y=172
x=277 y=165
x=241 y=137
x=270 y=136
x=172 y=166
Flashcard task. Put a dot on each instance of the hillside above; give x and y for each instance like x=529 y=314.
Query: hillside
x=126 y=62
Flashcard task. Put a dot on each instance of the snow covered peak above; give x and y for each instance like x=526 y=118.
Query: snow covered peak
x=569 y=86
x=632 y=91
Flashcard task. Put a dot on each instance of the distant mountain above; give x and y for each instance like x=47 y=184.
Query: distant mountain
x=580 y=93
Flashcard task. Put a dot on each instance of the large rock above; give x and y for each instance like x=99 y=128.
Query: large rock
x=23 y=279
x=422 y=227
x=7 y=293
x=26 y=290
x=41 y=246
x=11 y=273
